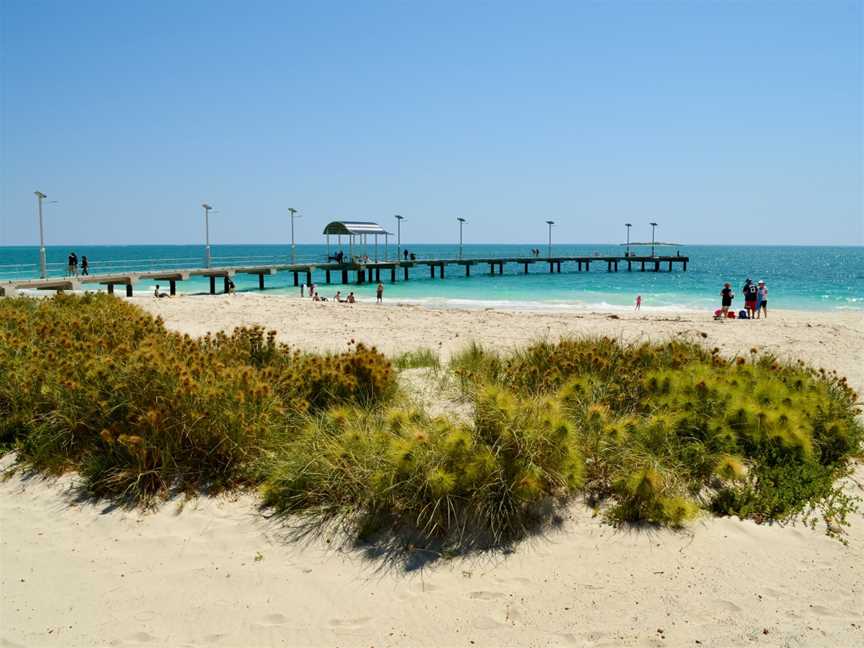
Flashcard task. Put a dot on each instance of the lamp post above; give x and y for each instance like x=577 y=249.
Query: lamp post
x=207 y=209
x=653 y=225
x=292 y=211
x=399 y=220
x=628 y=226
x=550 y=224
x=43 y=272
x=462 y=221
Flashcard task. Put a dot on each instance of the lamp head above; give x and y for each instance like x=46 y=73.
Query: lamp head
x=398 y=217
x=628 y=224
x=206 y=206
x=39 y=194
x=550 y=222
x=461 y=220
x=653 y=224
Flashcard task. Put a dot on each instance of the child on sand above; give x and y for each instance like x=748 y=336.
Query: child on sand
x=638 y=302
x=379 y=293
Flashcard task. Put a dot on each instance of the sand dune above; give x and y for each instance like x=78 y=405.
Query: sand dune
x=215 y=571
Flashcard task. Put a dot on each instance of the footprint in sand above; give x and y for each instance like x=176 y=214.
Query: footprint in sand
x=275 y=619
x=485 y=596
x=727 y=606
x=349 y=623
x=142 y=637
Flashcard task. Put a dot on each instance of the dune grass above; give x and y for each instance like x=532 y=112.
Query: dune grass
x=419 y=359
x=654 y=433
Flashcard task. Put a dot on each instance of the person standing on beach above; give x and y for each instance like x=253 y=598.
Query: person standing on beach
x=638 y=302
x=379 y=293
x=750 y=291
x=762 y=300
x=726 y=295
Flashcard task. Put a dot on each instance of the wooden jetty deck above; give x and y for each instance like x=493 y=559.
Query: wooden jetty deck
x=371 y=271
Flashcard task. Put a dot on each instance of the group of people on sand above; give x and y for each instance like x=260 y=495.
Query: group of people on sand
x=72 y=265
x=755 y=301
x=312 y=291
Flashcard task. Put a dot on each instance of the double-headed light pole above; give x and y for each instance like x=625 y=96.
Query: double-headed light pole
x=399 y=220
x=207 y=210
x=628 y=226
x=653 y=225
x=550 y=224
x=462 y=221
x=292 y=211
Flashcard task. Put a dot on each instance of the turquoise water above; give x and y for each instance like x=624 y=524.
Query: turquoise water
x=808 y=278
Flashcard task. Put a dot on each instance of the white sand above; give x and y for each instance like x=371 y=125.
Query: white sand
x=82 y=575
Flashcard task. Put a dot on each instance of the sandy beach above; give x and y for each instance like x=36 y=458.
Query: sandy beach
x=215 y=571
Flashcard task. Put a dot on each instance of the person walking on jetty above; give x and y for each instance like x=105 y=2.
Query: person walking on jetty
x=726 y=296
x=72 y=264
x=762 y=300
x=85 y=266
x=379 y=293
x=750 y=291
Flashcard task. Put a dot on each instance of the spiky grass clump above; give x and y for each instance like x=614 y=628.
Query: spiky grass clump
x=483 y=484
x=669 y=429
x=94 y=383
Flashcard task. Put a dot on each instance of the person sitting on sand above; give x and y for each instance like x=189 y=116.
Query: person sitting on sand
x=726 y=296
x=638 y=302
x=762 y=300
x=338 y=297
x=156 y=292
x=379 y=293
x=749 y=291
x=315 y=297
x=351 y=299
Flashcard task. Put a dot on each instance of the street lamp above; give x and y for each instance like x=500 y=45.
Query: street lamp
x=628 y=226
x=43 y=272
x=462 y=221
x=207 y=209
x=550 y=224
x=292 y=211
x=653 y=225
x=399 y=220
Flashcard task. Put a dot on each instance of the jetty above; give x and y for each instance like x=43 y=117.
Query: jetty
x=355 y=268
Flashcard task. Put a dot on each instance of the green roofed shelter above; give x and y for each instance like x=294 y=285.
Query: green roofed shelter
x=358 y=233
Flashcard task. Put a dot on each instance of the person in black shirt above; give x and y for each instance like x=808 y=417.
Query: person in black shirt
x=726 y=296
x=85 y=266
x=750 y=292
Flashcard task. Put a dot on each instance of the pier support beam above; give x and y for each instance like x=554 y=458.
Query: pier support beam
x=327 y=277
x=558 y=267
x=492 y=268
x=308 y=277
x=432 y=270
x=608 y=266
x=128 y=289
x=172 y=287
x=406 y=272
x=685 y=266
x=225 y=281
x=110 y=289
x=260 y=281
x=587 y=266
x=344 y=275
x=526 y=268
x=670 y=266
x=296 y=279
x=656 y=266
x=629 y=266
x=643 y=266
x=580 y=266
x=467 y=269
x=501 y=268
x=441 y=269
x=393 y=274
x=361 y=276
x=551 y=268
x=213 y=285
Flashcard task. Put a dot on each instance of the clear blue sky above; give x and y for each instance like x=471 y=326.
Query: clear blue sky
x=726 y=122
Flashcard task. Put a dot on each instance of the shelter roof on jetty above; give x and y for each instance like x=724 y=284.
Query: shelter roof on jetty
x=354 y=228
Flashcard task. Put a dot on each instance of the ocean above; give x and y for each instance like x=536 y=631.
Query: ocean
x=803 y=278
